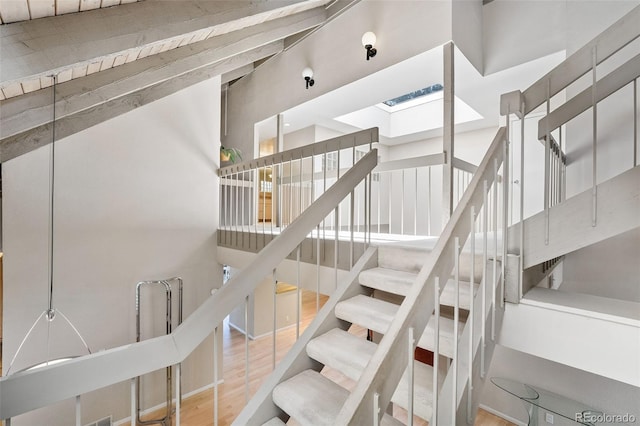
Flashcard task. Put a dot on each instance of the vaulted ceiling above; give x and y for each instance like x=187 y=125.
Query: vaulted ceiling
x=114 y=55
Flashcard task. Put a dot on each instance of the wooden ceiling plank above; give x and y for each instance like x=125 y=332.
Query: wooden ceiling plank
x=79 y=71
x=42 y=8
x=107 y=63
x=11 y=90
x=120 y=60
x=133 y=55
x=186 y=40
x=93 y=67
x=89 y=4
x=85 y=37
x=46 y=81
x=34 y=110
x=65 y=75
x=109 y=3
x=67 y=6
x=14 y=11
x=31 y=85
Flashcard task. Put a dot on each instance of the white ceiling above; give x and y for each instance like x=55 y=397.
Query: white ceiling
x=479 y=93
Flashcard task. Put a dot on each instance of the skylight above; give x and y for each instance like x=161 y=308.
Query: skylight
x=413 y=95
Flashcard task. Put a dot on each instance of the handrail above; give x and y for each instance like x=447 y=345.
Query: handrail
x=27 y=391
x=614 y=38
x=411 y=163
x=418 y=305
x=363 y=137
x=459 y=163
x=605 y=87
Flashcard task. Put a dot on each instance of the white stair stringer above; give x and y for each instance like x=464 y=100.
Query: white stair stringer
x=261 y=408
x=445 y=398
x=571 y=227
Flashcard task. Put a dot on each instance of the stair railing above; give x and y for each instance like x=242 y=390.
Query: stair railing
x=601 y=51
x=373 y=392
x=30 y=390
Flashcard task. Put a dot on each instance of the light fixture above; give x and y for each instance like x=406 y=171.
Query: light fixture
x=369 y=41
x=307 y=74
x=50 y=314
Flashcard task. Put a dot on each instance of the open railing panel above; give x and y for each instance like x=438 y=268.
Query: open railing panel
x=30 y=390
x=591 y=139
x=368 y=401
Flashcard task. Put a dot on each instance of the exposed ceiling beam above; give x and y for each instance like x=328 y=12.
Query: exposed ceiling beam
x=25 y=119
x=14 y=146
x=78 y=44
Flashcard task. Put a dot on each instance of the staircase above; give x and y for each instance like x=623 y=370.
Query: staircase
x=312 y=399
x=383 y=287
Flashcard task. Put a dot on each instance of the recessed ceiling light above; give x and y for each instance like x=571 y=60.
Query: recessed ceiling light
x=287 y=124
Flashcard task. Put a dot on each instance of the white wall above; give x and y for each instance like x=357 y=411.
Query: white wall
x=614 y=274
x=337 y=57
x=135 y=199
x=588 y=388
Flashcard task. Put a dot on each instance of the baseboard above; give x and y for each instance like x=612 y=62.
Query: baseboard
x=502 y=415
x=159 y=406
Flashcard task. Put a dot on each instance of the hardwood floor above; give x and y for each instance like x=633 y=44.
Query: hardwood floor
x=198 y=409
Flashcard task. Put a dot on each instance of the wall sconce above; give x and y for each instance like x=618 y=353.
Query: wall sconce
x=307 y=74
x=368 y=41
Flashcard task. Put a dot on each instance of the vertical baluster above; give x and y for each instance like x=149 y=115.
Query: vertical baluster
x=298 y=293
x=271 y=187
x=369 y=201
x=300 y=197
x=635 y=122
x=415 y=205
x=521 y=260
x=79 y=412
x=215 y=376
x=290 y=191
x=379 y=195
x=471 y=313
x=436 y=351
x=505 y=214
x=456 y=319
x=429 y=201
x=236 y=206
x=410 y=363
x=402 y=206
x=134 y=408
x=246 y=349
x=376 y=409
x=495 y=249
x=352 y=208
x=483 y=282
x=389 y=203
x=324 y=190
x=313 y=193
x=318 y=268
x=594 y=190
x=335 y=248
x=547 y=145
x=263 y=190
x=275 y=324
x=244 y=212
x=178 y=393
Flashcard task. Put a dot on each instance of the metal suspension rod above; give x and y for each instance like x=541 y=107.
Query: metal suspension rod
x=594 y=190
x=52 y=177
